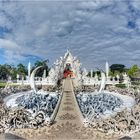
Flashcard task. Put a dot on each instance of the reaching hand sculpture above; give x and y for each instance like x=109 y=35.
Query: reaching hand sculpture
x=103 y=81
x=32 y=80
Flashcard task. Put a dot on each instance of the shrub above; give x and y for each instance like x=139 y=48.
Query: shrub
x=120 y=85
x=135 y=83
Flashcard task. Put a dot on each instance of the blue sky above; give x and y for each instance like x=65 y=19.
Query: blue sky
x=94 y=31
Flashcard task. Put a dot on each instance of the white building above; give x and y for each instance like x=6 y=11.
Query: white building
x=79 y=76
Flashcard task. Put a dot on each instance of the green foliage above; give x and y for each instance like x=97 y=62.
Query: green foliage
x=40 y=71
x=21 y=69
x=98 y=73
x=10 y=70
x=13 y=73
x=120 y=85
x=133 y=70
x=3 y=72
x=2 y=84
x=89 y=74
x=135 y=83
x=38 y=63
x=115 y=73
x=117 y=68
x=111 y=73
x=94 y=72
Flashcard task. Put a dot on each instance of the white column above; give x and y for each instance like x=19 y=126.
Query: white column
x=29 y=69
x=22 y=80
x=44 y=74
x=91 y=73
x=107 y=69
x=17 y=78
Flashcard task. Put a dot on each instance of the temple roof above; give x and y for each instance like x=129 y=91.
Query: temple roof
x=68 y=57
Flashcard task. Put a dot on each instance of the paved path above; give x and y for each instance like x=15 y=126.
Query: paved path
x=69 y=109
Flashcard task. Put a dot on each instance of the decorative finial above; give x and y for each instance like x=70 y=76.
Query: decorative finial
x=68 y=50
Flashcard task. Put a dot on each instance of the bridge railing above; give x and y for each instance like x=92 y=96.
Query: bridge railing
x=53 y=116
x=78 y=108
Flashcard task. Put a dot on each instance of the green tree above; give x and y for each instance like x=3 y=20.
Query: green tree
x=117 y=67
x=111 y=74
x=133 y=70
x=98 y=73
x=89 y=74
x=21 y=69
x=3 y=72
x=40 y=71
x=7 y=70
x=12 y=71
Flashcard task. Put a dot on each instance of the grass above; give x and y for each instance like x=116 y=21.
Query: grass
x=2 y=84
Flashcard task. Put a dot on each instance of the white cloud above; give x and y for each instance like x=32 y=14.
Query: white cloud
x=8 y=44
x=13 y=57
x=42 y=30
x=95 y=31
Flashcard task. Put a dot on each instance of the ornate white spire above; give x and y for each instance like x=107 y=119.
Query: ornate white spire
x=107 y=69
x=91 y=73
x=29 y=69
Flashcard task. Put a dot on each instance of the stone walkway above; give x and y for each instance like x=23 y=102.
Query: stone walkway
x=69 y=109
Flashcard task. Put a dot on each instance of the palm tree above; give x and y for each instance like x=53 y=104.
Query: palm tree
x=21 y=70
x=45 y=66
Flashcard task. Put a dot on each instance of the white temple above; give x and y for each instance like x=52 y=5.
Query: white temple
x=79 y=75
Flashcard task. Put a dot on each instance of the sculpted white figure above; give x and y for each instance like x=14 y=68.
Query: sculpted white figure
x=126 y=80
x=118 y=77
x=52 y=72
x=96 y=77
x=32 y=77
x=84 y=73
x=103 y=81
